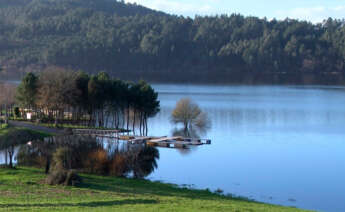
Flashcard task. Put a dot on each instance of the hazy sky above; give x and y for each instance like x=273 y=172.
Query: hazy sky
x=311 y=10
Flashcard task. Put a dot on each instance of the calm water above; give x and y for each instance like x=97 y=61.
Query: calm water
x=281 y=145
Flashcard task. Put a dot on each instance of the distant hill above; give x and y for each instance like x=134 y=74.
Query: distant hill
x=131 y=41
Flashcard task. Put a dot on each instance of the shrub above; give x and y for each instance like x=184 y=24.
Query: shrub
x=62 y=158
x=72 y=178
x=98 y=162
x=119 y=166
x=61 y=173
x=57 y=177
x=63 y=177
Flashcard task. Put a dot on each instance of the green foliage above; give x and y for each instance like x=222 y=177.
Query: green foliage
x=97 y=100
x=27 y=91
x=3 y=126
x=17 y=112
x=16 y=136
x=11 y=137
x=123 y=38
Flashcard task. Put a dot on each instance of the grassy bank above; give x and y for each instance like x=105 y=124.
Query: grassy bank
x=5 y=129
x=76 y=126
x=21 y=189
x=65 y=126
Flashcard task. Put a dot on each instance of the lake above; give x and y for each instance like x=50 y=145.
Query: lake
x=276 y=144
x=280 y=145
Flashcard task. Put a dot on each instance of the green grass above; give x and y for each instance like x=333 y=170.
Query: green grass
x=40 y=134
x=5 y=129
x=22 y=189
x=71 y=126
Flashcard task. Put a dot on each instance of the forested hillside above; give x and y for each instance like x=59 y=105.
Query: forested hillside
x=133 y=41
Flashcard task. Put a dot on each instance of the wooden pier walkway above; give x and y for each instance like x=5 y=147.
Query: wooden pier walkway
x=95 y=132
x=177 y=142
x=164 y=141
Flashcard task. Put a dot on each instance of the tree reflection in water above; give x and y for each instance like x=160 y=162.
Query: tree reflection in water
x=93 y=155
x=189 y=133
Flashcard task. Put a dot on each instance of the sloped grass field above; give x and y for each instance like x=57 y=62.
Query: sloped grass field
x=22 y=189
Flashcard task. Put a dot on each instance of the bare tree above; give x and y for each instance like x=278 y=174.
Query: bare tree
x=7 y=98
x=189 y=114
x=57 y=89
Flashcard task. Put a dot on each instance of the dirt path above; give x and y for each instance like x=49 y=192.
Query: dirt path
x=35 y=127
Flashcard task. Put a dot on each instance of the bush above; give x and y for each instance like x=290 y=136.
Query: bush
x=57 y=177
x=63 y=177
x=119 y=166
x=72 y=178
x=62 y=158
x=97 y=162
x=61 y=173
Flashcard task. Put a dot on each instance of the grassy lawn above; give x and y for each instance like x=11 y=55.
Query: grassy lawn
x=21 y=189
x=73 y=126
x=62 y=126
x=5 y=129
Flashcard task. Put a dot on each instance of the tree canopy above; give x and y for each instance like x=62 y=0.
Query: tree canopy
x=61 y=95
x=190 y=115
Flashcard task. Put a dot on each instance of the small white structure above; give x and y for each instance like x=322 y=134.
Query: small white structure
x=28 y=116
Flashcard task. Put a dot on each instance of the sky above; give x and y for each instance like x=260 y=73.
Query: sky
x=311 y=10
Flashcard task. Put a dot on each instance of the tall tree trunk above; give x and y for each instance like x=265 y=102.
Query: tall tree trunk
x=10 y=154
x=128 y=117
x=134 y=113
x=140 y=123
x=47 y=165
x=146 y=129
x=5 y=157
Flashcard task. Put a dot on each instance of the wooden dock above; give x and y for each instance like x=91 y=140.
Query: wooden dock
x=177 y=142
x=95 y=132
x=164 y=141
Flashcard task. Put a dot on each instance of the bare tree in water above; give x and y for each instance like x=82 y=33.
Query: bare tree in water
x=190 y=115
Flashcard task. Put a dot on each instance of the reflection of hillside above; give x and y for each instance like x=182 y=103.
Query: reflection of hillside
x=233 y=118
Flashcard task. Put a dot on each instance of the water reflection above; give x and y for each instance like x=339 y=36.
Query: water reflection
x=93 y=155
x=278 y=142
x=189 y=133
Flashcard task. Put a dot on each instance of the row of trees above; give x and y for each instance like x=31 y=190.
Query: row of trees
x=61 y=96
x=126 y=38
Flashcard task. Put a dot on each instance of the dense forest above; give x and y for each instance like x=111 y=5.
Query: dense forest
x=131 y=41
